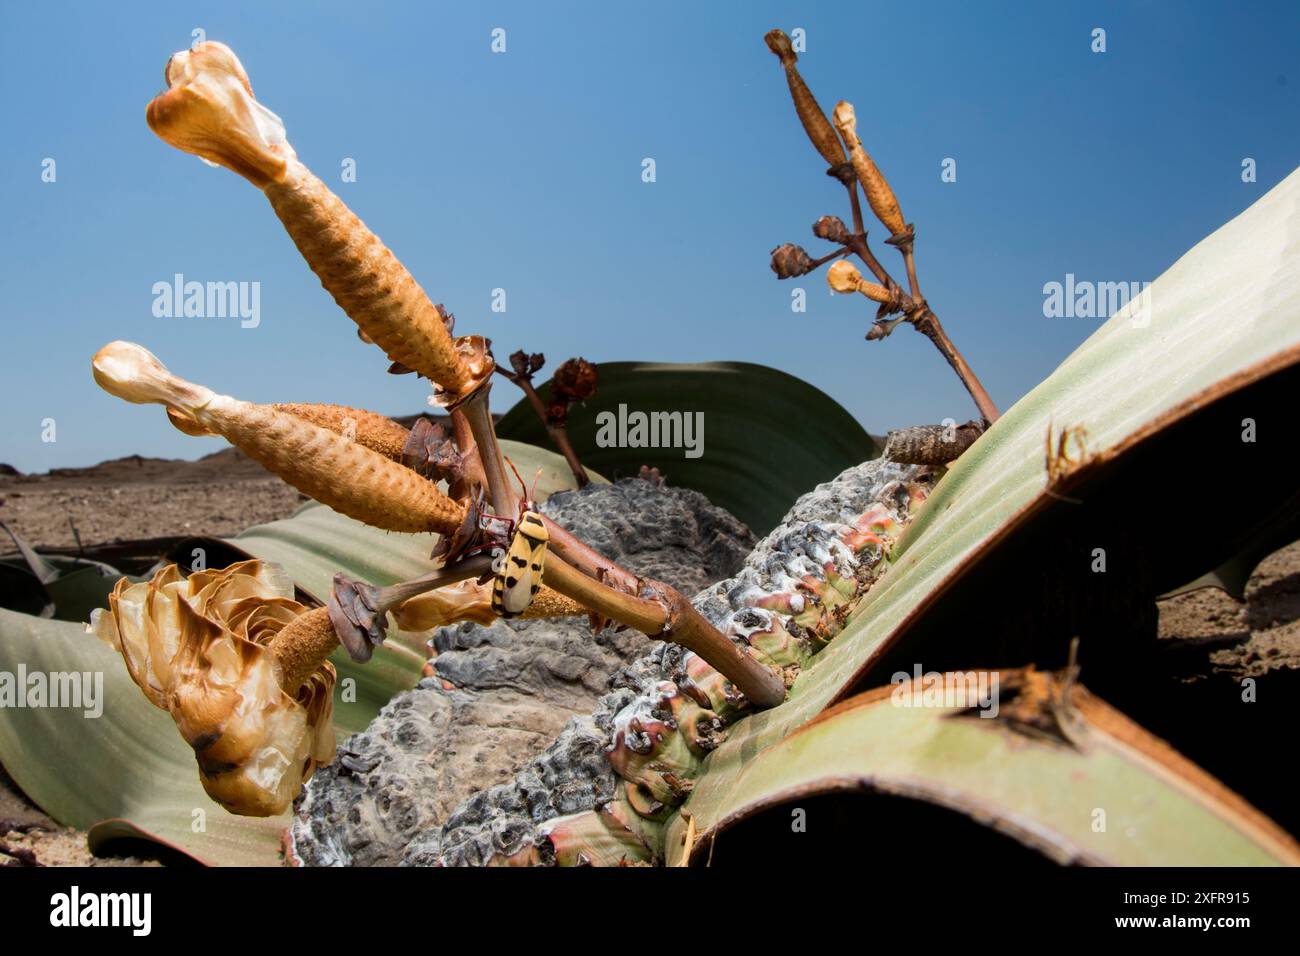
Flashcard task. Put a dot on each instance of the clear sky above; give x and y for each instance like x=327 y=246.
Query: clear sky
x=522 y=170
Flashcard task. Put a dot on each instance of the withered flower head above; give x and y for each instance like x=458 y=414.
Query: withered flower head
x=789 y=261
x=209 y=110
x=844 y=277
x=831 y=228
x=525 y=365
x=200 y=649
x=574 y=381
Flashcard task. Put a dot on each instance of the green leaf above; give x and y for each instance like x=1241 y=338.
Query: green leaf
x=1221 y=340
x=52 y=586
x=1041 y=788
x=128 y=764
x=768 y=437
x=1233 y=575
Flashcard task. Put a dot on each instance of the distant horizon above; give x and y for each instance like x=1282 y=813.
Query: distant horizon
x=522 y=171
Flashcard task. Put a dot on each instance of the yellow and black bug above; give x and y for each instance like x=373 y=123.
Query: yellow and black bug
x=520 y=574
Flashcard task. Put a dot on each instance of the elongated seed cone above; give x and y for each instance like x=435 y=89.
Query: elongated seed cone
x=879 y=196
x=204 y=649
x=209 y=110
x=811 y=116
x=377 y=432
x=368 y=282
x=471 y=601
x=348 y=477
x=844 y=277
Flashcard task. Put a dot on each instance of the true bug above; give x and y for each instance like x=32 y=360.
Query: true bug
x=519 y=573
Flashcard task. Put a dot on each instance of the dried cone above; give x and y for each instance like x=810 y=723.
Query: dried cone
x=201 y=648
x=790 y=261
x=831 y=228
x=574 y=381
x=811 y=116
x=845 y=278
x=377 y=432
x=343 y=474
x=209 y=110
x=879 y=195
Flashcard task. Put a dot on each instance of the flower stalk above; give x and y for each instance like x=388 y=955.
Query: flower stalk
x=855 y=168
x=555 y=416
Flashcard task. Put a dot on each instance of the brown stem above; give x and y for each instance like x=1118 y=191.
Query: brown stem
x=666 y=614
x=387 y=598
x=501 y=493
x=587 y=560
x=859 y=228
x=358 y=611
x=909 y=259
x=858 y=243
x=559 y=434
x=927 y=323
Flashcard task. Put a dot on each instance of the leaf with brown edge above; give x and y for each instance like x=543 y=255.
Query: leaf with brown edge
x=1162 y=389
x=1038 y=771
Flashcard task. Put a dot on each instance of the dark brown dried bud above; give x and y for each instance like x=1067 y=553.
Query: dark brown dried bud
x=574 y=381
x=431 y=451
x=780 y=44
x=526 y=365
x=832 y=229
x=790 y=260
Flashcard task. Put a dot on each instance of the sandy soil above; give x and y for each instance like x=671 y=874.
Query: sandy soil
x=1249 y=639
x=132 y=498
x=135 y=497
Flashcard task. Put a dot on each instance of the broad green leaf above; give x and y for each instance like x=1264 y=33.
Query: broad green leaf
x=52 y=586
x=129 y=763
x=1042 y=789
x=1225 y=316
x=767 y=436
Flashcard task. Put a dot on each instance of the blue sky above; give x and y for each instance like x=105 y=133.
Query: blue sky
x=522 y=171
